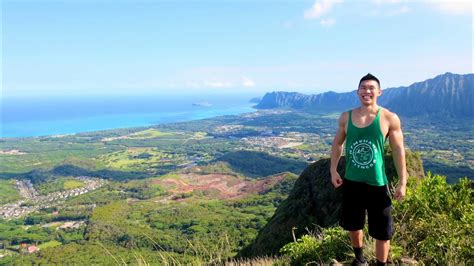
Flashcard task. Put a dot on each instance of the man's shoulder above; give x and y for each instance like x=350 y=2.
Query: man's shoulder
x=389 y=116
x=344 y=117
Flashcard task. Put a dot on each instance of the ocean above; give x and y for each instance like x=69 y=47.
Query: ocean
x=29 y=117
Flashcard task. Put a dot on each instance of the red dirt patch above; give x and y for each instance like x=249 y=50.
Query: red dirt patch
x=227 y=186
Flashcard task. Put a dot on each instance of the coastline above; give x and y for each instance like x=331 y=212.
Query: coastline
x=50 y=123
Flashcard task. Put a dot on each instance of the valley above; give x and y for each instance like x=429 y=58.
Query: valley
x=165 y=191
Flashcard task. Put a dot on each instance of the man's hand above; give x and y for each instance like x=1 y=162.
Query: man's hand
x=336 y=150
x=336 y=179
x=400 y=192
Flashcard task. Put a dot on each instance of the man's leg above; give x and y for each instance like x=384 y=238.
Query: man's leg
x=380 y=222
x=353 y=216
x=357 y=238
x=357 y=241
x=381 y=250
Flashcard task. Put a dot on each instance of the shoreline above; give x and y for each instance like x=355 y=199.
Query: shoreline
x=156 y=123
x=66 y=120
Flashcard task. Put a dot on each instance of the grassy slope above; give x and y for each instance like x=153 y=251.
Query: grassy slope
x=8 y=192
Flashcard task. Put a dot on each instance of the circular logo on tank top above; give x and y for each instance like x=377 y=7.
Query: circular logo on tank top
x=363 y=154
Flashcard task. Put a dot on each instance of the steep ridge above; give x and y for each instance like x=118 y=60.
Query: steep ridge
x=312 y=202
x=447 y=95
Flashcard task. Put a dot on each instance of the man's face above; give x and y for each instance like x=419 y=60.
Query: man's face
x=368 y=92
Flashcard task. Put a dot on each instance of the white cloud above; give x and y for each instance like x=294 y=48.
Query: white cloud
x=320 y=8
x=327 y=22
x=217 y=84
x=246 y=82
x=458 y=7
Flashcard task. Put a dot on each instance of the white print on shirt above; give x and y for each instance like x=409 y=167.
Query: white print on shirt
x=363 y=154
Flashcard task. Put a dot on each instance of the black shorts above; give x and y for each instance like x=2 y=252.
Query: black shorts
x=357 y=198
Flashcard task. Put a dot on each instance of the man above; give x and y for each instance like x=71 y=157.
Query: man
x=364 y=131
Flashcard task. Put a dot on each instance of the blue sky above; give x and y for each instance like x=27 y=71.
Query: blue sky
x=84 y=47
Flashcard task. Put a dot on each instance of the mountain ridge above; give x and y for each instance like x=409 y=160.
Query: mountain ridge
x=453 y=92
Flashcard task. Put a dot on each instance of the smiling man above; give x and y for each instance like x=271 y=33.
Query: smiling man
x=364 y=130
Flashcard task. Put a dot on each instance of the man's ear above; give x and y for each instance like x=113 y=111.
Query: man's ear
x=380 y=91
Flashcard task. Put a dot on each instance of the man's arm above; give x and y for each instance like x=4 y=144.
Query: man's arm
x=398 y=150
x=336 y=150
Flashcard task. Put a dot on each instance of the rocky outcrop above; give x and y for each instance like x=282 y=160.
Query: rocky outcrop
x=312 y=202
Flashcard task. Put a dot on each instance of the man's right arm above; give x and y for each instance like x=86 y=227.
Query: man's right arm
x=336 y=150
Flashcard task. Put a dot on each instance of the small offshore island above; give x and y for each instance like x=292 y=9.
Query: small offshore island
x=202 y=104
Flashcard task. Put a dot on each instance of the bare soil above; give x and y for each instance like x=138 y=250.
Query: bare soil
x=227 y=186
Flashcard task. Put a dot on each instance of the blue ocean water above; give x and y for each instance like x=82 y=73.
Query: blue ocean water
x=30 y=117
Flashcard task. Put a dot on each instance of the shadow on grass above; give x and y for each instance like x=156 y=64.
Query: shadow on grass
x=452 y=173
x=40 y=175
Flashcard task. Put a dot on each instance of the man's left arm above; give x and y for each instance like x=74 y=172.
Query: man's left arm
x=398 y=150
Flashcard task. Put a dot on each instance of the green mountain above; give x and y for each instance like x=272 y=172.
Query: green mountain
x=312 y=202
x=260 y=164
x=447 y=95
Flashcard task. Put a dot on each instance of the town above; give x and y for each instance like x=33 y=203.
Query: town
x=32 y=201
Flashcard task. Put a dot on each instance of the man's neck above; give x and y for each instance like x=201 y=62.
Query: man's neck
x=368 y=109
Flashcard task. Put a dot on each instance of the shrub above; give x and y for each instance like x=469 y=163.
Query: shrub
x=434 y=223
x=320 y=247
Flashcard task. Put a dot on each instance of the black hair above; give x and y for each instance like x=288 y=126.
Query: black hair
x=369 y=77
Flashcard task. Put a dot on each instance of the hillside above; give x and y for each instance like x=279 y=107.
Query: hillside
x=313 y=201
x=260 y=164
x=198 y=189
x=447 y=95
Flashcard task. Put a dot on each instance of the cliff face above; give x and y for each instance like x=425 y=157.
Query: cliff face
x=313 y=201
x=283 y=99
x=448 y=95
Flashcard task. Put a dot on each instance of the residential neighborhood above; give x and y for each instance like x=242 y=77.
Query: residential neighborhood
x=32 y=201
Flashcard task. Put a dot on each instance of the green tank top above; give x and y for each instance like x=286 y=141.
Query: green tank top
x=364 y=153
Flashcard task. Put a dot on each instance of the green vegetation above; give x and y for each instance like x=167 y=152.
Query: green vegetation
x=213 y=168
x=137 y=219
x=58 y=184
x=150 y=133
x=446 y=145
x=258 y=164
x=143 y=189
x=45 y=153
x=102 y=196
x=322 y=247
x=15 y=233
x=72 y=184
x=8 y=192
x=142 y=223
x=196 y=230
x=49 y=244
x=435 y=221
x=313 y=201
x=433 y=225
x=140 y=159
x=94 y=254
